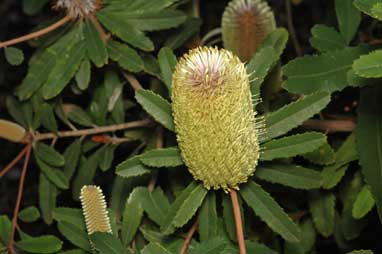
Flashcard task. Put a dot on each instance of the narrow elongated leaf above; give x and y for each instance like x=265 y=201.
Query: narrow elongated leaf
x=155 y=204
x=184 y=207
x=164 y=157
x=324 y=155
x=132 y=167
x=184 y=32
x=47 y=192
x=40 y=244
x=322 y=209
x=155 y=20
x=348 y=18
x=292 y=145
x=6 y=228
x=49 y=155
x=369 y=140
x=370 y=7
x=155 y=247
x=208 y=219
x=126 y=57
x=107 y=243
x=83 y=75
x=212 y=246
x=56 y=176
x=369 y=66
x=29 y=214
x=85 y=174
x=77 y=115
x=48 y=119
x=290 y=175
x=258 y=67
x=326 y=38
x=125 y=31
x=269 y=211
x=70 y=215
x=95 y=46
x=363 y=203
x=132 y=216
x=277 y=39
x=326 y=72
x=72 y=155
x=361 y=252
x=74 y=234
x=258 y=248
x=167 y=62
x=294 y=114
x=64 y=70
x=14 y=56
x=106 y=157
x=156 y=106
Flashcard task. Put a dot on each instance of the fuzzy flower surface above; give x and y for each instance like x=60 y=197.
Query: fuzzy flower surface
x=78 y=8
x=214 y=117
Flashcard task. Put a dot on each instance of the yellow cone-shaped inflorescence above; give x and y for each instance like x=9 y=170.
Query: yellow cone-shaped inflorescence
x=214 y=117
x=245 y=25
x=94 y=209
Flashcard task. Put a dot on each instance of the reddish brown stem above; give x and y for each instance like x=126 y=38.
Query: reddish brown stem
x=37 y=34
x=19 y=196
x=188 y=239
x=13 y=162
x=239 y=225
x=99 y=28
x=330 y=126
x=158 y=144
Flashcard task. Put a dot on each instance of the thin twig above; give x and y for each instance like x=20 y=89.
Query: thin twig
x=36 y=34
x=158 y=144
x=19 y=196
x=105 y=36
x=92 y=131
x=330 y=126
x=291 y=29
x=13 y=162
x=188 y=239
x=133 y=81
x=238 y=222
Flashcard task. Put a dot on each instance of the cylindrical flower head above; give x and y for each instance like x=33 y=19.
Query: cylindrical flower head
x=94 y=209
x=214 y=117
x=245 y=25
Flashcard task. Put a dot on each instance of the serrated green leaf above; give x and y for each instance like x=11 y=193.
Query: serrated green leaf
x=78 y=115
x=49 y=155
x=163 y=157
x=74 y=251
x=361 y=252
x=107 y=243
x=6 y=228
x=208 y=219
x=363 y=203
x=83 y=75
x=190 y=27
x=29 y=214
x=156 y=106
x=132 y=215
x=70 y=215
x=292 y=145
x=211 y=246
x=14 y=56
x=95 y=46
x=326 y=38
x=323 y=212
x=106 y=157
x=269 y=211
x=370 y=7
x=167 y=62
x=47 y=117
x=126 y=57
x=64 y=70
x=326 y=72
x=369 y=66
x=294 y=114
x=47 y=198
x=258 y=248
x=332 y=175
x=56 y=176
x=151 y=20
x=324 y=155
x=259 y=66
x=74 y=234
x=369 y=140
x=155 y=204
x=277 y=39
x=125 y=31
x=184 y=207
x=40 y=244
x=132 y=167
x=72 y=155
x=290 y=175
x=154 y=248
x=348 y=17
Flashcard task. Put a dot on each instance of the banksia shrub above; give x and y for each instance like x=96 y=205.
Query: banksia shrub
x=245 y=24
x=94 y=209
x=214 y=117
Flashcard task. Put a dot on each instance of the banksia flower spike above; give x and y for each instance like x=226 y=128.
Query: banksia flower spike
x=245 y=25
x=214 y=117
x=94 y=209
x=78 y=8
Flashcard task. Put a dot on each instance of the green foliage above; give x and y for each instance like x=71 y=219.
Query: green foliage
x=14 y=56
x=349 y=19
x=326 y=38
x=323 y=212
x=29 y=214
x=41 y=244
x=165 y=157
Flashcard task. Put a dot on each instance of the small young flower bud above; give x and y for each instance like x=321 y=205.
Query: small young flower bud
x=214 y=117
x=94 y=209
x=245 y=25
